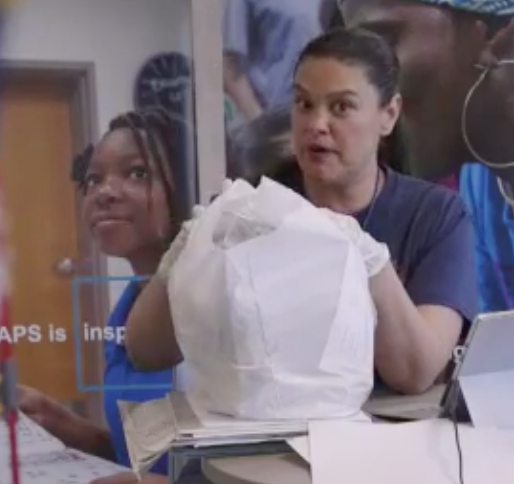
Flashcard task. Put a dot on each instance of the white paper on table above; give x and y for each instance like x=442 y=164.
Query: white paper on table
x=489 y=399
x=301 y=445
x=32 y=439
x=45 y=460
x=423 y=452
x=180 y=378
x=65 y=467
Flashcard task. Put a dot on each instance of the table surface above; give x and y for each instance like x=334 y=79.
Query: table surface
x=285 y=469
x=263 y=469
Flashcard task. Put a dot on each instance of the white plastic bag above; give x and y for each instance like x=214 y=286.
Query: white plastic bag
x=272 y=310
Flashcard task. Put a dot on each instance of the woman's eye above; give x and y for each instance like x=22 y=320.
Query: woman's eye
x=138 y=172
x=301 y=103
x=91 y=180
x=341 y=107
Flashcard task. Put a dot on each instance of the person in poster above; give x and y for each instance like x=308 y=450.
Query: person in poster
x=458 y=116
x=444 y=46
x=261 y=42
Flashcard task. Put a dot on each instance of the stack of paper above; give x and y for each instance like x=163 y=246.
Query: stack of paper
x=154 y=427
x=46 y=460
x=424 y=452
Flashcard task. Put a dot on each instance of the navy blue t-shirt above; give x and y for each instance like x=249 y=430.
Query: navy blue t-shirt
x=430 y=237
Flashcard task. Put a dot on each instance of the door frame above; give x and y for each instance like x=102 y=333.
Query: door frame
x=79 y=77
x=207 y=55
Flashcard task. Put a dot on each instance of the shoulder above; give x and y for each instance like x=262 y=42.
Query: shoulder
x=433 y=246
x=428 y=204
x=419 y=220
x=425 y=192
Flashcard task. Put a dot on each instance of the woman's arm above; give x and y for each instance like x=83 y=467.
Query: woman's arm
x=149 y=334
x=420 y=323
x=237 y=16
x=413 y=344
x=237 y=85
x=150 y=338
x=78 y=433
x=72 y=430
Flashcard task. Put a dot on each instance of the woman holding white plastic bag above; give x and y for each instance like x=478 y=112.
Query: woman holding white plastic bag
x=346 y=101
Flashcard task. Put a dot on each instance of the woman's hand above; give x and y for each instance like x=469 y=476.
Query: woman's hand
x=45 y=411
x=71 y=429
x=150 y=338
x=177 y=246
x=180 y=241
x=375 y=254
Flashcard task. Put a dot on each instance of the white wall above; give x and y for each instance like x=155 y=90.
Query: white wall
x=117 y=35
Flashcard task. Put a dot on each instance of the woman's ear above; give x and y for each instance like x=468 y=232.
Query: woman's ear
x=498 y=46
x=390 y=114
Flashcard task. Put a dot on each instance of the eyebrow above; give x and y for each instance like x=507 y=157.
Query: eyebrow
x=344 y=92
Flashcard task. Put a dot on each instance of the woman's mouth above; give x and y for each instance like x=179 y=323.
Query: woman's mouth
x=108 y=222
x=319 y=152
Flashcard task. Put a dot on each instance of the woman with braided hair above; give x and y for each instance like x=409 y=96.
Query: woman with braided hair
x=133 y=206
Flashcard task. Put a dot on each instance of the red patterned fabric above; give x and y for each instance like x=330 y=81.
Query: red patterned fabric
x=8 y=409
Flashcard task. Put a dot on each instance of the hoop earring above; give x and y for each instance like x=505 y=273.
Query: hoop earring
x=464 y=129
x=499 y=166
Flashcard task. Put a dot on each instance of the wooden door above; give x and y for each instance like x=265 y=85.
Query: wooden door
x=35 y=157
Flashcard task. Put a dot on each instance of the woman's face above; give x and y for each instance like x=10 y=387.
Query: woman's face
x=437 y=49
x=125 y=204
x=337 y=120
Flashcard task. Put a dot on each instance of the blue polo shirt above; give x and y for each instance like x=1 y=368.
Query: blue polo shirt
x=123 y=382
x=493 y=221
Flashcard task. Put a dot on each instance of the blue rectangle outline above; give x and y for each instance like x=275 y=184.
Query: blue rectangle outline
x=81 y=387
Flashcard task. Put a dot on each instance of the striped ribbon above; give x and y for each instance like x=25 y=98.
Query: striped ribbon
x=8 y=390
x=8 y=404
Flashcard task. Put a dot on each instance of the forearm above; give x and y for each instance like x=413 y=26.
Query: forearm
x=78 y=433
x=150 y=338
x=238 y=87
x=409 y=354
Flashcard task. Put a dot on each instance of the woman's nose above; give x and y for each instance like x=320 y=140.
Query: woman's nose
x=318 y=122
x=108 y=191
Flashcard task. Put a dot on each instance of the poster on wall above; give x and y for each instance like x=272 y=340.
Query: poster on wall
x=165 y=81
x=457 y=122
x=261 y=41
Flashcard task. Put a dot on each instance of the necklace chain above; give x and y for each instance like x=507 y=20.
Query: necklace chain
x=373 y=201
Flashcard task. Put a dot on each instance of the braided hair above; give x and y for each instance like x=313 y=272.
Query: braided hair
x=159 y=136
